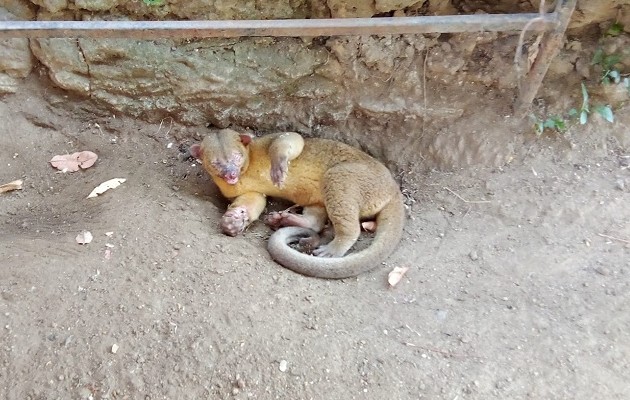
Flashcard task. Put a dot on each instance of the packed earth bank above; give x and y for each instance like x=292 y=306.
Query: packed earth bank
x=398 y=97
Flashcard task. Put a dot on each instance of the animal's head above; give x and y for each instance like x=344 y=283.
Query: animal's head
x=224 y=154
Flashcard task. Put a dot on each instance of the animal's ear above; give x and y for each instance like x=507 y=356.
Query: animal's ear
x=195 y=151
x=245 y=139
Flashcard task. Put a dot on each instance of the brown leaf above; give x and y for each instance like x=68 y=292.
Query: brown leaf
x=105 y=186
x=15 y=185
x=73 y=162
x=84 y=237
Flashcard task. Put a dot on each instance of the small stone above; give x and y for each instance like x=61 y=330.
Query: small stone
x=473 y=255
x=240 y=383
x=68 y=341
x=84 y=393
x=283 y=365
x=441 y=315
x=620 y=184
x=114 y=348
x=602 y=270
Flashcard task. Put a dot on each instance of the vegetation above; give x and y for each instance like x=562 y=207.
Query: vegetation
x=610 y=65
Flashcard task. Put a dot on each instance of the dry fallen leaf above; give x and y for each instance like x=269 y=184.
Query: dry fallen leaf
x=103 y=187
x=396 y=275
x=15 y=185
x=73 y=162
x=84 y=237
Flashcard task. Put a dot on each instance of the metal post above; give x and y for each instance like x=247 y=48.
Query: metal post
x=550 y=45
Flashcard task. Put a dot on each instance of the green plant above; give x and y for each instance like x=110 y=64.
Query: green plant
x=153 y=2
x=604 y=110
x=608 y=63
x=615 y=29
x=559 y=123
x=553 y=122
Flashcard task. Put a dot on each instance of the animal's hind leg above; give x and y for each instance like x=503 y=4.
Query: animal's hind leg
x=312 y=217
x=342 y=197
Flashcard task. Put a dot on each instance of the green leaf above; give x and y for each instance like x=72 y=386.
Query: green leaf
x=611 y=60
x=584 y=97
x=615 y=75
x=560 y=124
x=573 y=113
x=606 y=112
x=153 y=2
x=615 y=29
x=583 y=117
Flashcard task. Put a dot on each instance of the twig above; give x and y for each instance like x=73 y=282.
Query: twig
x=445 y=353
x=424 y=86
x=467 y=201
x=614 y=238
x=160 y=127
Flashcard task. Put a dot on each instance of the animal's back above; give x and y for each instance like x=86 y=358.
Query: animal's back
x=307 y=171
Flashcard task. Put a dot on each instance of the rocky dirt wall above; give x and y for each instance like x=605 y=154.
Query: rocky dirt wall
x=403 y=98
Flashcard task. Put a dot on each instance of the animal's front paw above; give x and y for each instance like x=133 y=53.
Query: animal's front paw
x=279 y=170
x=234 y=221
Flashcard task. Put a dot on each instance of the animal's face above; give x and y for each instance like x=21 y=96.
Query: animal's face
x=223 y=154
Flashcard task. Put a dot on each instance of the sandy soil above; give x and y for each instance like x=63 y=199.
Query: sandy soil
x=518 y=287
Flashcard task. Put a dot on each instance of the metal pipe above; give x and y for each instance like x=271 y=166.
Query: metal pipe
x=285 y=27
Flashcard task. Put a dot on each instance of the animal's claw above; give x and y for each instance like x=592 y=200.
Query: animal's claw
x=279 y=170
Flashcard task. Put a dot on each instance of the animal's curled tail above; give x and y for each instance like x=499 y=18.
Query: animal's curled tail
x=389 y=228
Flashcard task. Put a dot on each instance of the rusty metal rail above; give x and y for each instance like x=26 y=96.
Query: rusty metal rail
x=285 y=27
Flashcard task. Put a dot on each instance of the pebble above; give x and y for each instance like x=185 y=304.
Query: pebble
x=114 y=348
x=602 y=270
x=620 y=184
x=441 y=315
x=240 y=383
x=283 y=365
x=473 y=255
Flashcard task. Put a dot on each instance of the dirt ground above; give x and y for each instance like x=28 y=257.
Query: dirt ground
x=518 y=287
